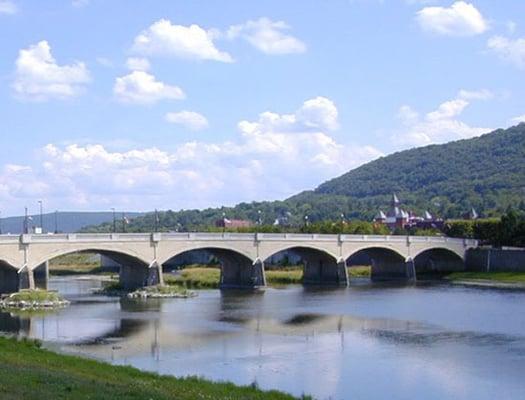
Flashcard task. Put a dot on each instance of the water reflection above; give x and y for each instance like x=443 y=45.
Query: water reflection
x=367 y=341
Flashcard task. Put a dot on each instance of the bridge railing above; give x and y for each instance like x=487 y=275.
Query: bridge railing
x=206 y=236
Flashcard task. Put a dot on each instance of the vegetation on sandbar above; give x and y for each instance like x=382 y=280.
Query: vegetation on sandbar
x=29 y=372
x=36 y=298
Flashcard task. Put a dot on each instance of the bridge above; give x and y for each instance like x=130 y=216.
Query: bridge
x=24 y=259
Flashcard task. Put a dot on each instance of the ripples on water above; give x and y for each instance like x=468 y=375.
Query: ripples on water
x=366 y=341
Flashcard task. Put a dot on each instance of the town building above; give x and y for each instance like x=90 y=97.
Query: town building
x=397 y=217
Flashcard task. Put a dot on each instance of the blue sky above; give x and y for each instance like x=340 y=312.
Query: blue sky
x=183 y=104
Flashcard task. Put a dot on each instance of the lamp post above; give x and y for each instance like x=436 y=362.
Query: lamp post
x=306 y=221
x=114 y=220
x=0 y=222
x=56 y=221
x=26 y=221
x=223 y=222
x=41 y=216
x=156 y=222
x=259 y=221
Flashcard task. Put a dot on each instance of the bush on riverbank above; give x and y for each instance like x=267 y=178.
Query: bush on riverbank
x=28 y=372
x=161 y=291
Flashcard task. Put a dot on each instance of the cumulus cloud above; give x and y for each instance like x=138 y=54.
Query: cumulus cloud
x=139 y=87
x=39 y=77
x=460 y=19
x=440 y=125
x=510 y=50
x=138 y=64
x=189 y=119
x=267 y=36
x=8 y=7
x=191 y=42
x=517 y=120
x=272 y=157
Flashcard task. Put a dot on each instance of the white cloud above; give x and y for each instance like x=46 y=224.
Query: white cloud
x=80 y=3
x=139 y=87
x=267 y=36
x=138 y=64
x=460 y=19
x=8 y=7
x=273 y=157
x=517 y=120
x=39 y=77
x=512 y=51
x=441 y=125
x=190 y=42
x=189 y=119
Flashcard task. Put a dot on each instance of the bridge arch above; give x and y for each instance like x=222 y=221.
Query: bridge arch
x=320 y=266
x=437 y=261
x=238 y=269
x=386 y=263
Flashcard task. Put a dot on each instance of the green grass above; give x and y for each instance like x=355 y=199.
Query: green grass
x=361 y=271
x=504 y=277
x=195 y=278
x=199 y=277
x=28 y=372
x=35 y=295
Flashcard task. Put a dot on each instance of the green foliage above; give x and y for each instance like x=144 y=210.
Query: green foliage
x=507 y=231
x=506 y=277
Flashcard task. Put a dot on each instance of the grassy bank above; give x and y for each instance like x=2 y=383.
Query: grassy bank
x=501 y=277
x=197 y=277
x=76 y=264
x=28 y=372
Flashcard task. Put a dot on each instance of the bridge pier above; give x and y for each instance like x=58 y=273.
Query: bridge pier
x=133 y=276
x=321 y=269
x=238 y=271
x=383 y=270
x=26 y=278
x=41 y=275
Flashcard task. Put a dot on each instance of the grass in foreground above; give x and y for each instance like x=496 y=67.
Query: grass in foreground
x=503 y=277
x=28 y=372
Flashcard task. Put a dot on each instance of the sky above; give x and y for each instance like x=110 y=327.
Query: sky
x=178 y=104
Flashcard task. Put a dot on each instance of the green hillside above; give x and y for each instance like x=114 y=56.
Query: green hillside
x=487 y=173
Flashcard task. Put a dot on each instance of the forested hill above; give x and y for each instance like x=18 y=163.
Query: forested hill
x=487 y=173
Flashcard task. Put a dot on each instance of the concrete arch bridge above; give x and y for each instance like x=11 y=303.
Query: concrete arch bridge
x=24 y=259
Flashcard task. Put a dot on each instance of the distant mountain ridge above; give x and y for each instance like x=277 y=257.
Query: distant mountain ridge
x=485 y=172
x=67 y=221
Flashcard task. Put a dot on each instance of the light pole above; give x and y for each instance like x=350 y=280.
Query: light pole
x=305 y=221
x=26 y=221
x=223 y=222
x=41 y=216
x=259 y=221
x=114 y=220
x=56 y=221
x=156 y=222
x=0 y=222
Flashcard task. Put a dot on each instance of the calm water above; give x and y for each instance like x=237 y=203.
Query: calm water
x=365 y=342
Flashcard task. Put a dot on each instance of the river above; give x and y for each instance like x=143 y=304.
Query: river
x=368 y=341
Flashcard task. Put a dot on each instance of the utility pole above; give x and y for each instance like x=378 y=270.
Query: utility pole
x=26 y=222
x=114 y=220
x=41 y=217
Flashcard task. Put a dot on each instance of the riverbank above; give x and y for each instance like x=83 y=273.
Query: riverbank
x=513 y=280
x=29 y=372
x=201 y=277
